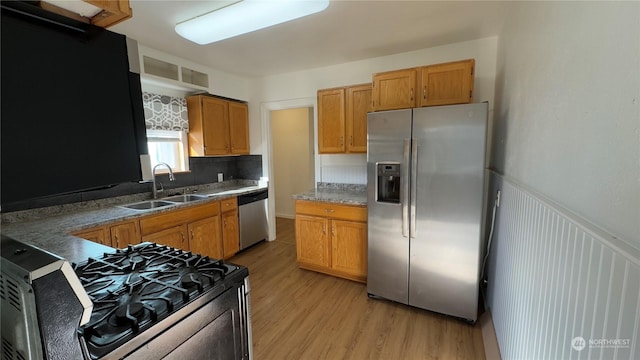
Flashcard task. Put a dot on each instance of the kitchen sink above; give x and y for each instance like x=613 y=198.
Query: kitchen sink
x=147 y=205
x=185 y=198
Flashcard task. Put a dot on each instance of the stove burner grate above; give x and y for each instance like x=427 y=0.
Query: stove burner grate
x=134 y=288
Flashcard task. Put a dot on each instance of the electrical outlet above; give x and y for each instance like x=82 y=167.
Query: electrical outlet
x=220 y=177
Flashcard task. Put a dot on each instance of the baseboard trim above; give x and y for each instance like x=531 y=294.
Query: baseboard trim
x=489 y=339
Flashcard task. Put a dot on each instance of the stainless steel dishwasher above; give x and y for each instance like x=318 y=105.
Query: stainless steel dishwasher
x=253 y=218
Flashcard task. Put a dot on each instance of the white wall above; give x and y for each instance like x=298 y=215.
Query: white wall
x=292 y=135
x=567 y=108
x=564 y=261
x=305 y=84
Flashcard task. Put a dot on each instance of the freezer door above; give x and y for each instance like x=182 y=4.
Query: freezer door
x=449 y=148
x=388 y=146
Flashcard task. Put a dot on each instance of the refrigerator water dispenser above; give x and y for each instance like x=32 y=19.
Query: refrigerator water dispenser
x=388 y=183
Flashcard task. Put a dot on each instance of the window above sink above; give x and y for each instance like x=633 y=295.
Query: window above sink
x=170 y=147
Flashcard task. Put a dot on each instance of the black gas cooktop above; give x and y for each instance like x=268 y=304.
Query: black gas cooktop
x=135 y=288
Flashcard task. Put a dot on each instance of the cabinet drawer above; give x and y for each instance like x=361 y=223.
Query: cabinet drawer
x=229 y=204
x=331 y=210
x=155 y=223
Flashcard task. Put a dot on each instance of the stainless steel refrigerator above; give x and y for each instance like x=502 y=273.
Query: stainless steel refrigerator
x=426 y=187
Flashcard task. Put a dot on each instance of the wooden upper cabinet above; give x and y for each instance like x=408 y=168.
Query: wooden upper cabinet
x=239 y=128
x=331 y=121
x=208 y=126
x=358 y=105
x=111 y=11
x=217 y=126
x=439 y=84
x=394 y=90
x=446 y=84
x=215 y=119
x=342 y=119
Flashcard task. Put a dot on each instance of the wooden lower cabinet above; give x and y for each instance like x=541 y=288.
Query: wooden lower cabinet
x=230 y=233
x=97 y=235
x=118 y=235
x=174 y=237
x=312 y=242
x=348 y=247
x=204 y=237
x=125 y=234
x=332 y=239
x=211 y=229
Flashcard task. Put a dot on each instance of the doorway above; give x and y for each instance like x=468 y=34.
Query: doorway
x=292 y=142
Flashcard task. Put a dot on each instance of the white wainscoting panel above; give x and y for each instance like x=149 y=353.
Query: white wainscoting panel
x=553 y=278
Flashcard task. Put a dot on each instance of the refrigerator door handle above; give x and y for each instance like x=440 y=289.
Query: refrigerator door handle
x=404 y=190
x=414 y=186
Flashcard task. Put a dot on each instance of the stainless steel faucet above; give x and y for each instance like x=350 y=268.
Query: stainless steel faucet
x=153 y=173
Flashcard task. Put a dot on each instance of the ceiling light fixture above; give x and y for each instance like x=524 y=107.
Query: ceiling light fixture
x=244 y=17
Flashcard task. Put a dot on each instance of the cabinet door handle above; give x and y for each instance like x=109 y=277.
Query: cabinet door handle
x=333 y=230
x=341 y=140
x=351 y=140
x=324 y=229
x=411 y=94
x=329 y=210
x=424 y=93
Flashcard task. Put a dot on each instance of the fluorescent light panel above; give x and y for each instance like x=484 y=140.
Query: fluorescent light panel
x=244 y=17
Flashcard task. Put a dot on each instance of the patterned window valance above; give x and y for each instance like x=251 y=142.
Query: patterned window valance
x=163 y=112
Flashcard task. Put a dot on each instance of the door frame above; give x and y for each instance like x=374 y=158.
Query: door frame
x=267 y=161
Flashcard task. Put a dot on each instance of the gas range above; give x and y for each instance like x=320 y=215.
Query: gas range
x=149 y=301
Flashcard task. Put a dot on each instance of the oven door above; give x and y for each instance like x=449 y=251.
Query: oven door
x=217 y=330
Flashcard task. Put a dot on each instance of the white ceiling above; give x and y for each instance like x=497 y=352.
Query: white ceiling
x=346 y=31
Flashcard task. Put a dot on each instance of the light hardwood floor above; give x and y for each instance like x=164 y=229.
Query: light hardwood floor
x=300 y=314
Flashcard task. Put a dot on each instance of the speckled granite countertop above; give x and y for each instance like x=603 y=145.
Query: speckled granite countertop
x=349 y=194
x=50 y=232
